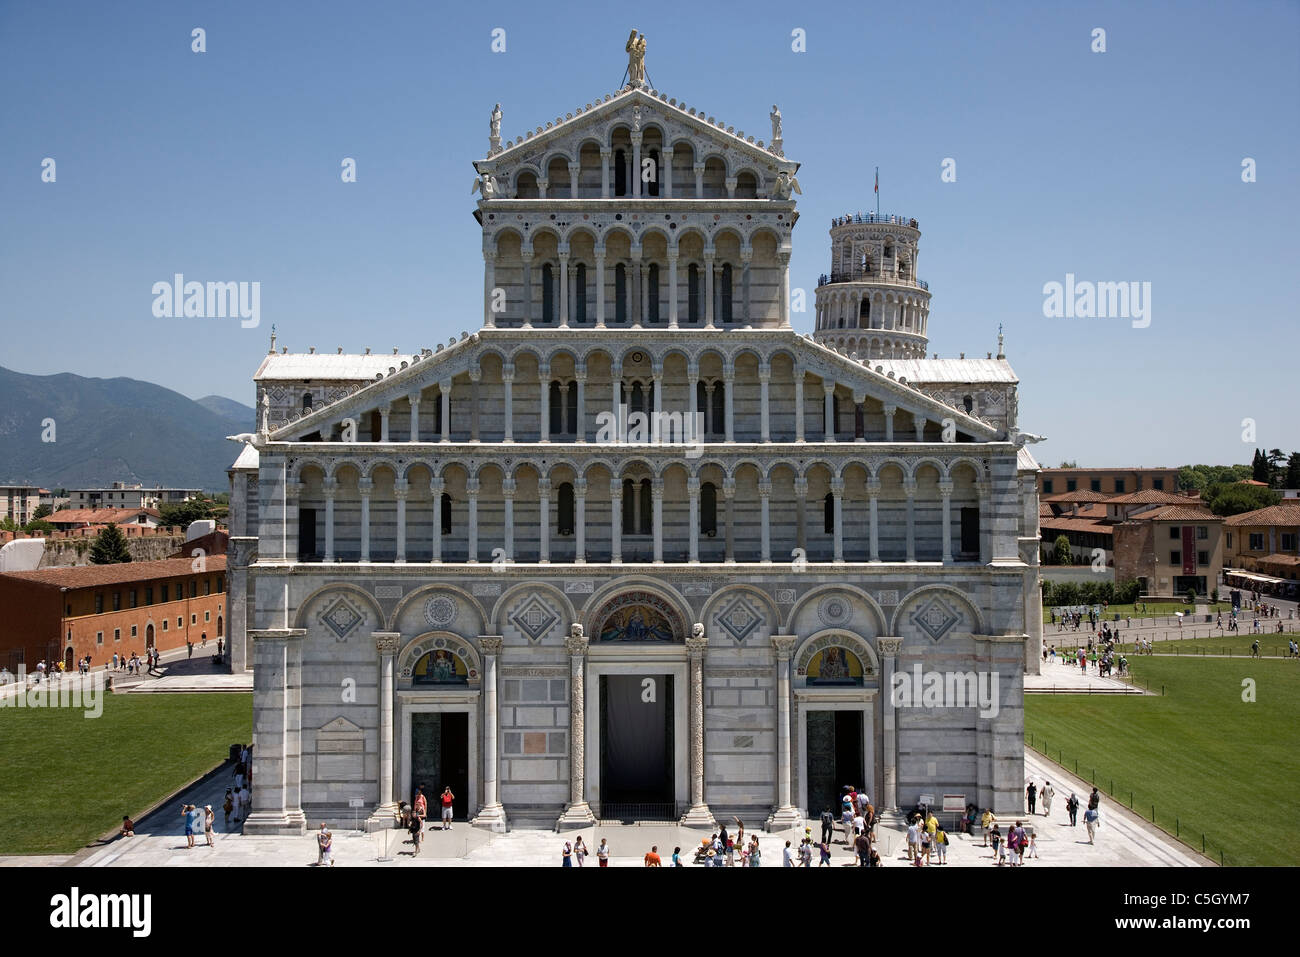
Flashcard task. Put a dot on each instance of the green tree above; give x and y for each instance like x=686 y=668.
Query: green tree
x=7 y=524
x=1061 y=554
x=1191 y=596
x=1259 y=467
x=41 y=512
x=183 y=513
x=1275 y=458
x=1069 y=465
x=109 y=547
x=1233 y=498
x=1293 y=471
x=38 y=525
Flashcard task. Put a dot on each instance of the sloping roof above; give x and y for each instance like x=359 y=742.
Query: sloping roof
x=1280 y=559
x=1064 y=524
x=1025 y=461
x=93 y=576
x=1078 y=495
x=948 y=370
x=1176 y=513
x=1152 y=496
x=1284 y=513
x=248 y=459
x=99 y=516
x=324 y=365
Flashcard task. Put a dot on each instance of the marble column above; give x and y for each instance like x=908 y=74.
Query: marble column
x=657 y=497
x=564 y=288
x=635 y=183
x=695 y=429
x=476 y=400
x=444 y=387
x=381 y=818
x=577 y=813
x=837 y=492
x=873 y=493
x=400 y=488
x=698 y=169
x=672 y=289
x=616 y=520
x=436 y=488
x=580 y=381
x=526 y=256
x=889 y=422
x=331 y=488
x=859 y=411
x=888 y=649
x=385 y=411
x=784 y=260
x=508 y=488
x=828 y=411
x=784 y=815
x=945 y=489
x=801 y=515
x=728 y=396
x=414 y=399
x=580 y=520
x=605 y=154
x=764 y=380
x=918 y=422
x=600 y=279
x=708 y=288
x=667 y=156
x=698 y=814
x=544 y=523
x=693 y=489
x=574 y=169
x=909 y=489
x=489 y=285
x=798 y=404
x=729 y=493
x=507 y=382
x=746 y=258
x=765 y=493
x=471 y=492
x=544 y=419
x=492 y=816
x=365 y=486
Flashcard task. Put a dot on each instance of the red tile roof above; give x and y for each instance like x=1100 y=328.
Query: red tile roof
x=1176 y=513
x=1079 y=495
x=100 y=516
x=1153 y=496
x=1285 y=513
x=1075 y=525
x=91 y=576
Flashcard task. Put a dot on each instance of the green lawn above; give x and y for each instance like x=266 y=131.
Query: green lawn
x=1235 y=644
x=68 y=779
x=1210 y=763
x=1151 y=609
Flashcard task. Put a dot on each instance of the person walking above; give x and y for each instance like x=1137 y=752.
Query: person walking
x=987 y=822
x=863 y=847
x=421 y=805
x=228 y=805
x=1072 y=808
x=825 y=849
x=324 y=846
x=416 y=830
x=787 y=856
x=447 y=800
x=913 y=839
x=1022 y=843
x=1090 y=818
x=602 y=853
x=567 y=855
x=1094 y=800
x=579 y=850
x=652 y=859
x=208 y=818
x=941 y=846
x=995 y=838
x=1047 y=794
x=1031 y=795
x=828 y=824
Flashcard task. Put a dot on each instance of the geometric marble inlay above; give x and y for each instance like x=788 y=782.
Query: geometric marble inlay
x=535 y=617
x=935 y=618
x=341 y=617
x=739 y=618
x=834 y=610
x=440 y=611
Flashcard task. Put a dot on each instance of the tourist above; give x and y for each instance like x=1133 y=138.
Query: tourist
x=421 y=805
x=913 y=838
x=941 y=846
x=805 y=853
x=1047 y=795
x=652 y=859
x=579 y=850
x=828 y=825
x=986 y=822
x=446 y=799
x=417 y=832
x=189 y=648
x=1033 y=843
x=859 y=825
x=846 y=818
x=128 y=827
x=1012 y=844
x=729 y=848
x=245 y=800
x=220 y=644
x=567 y=855
x=863 y=847
x=755 y=856
x=208 y=818
x=228 y=805
x=1022 y=843
x=825 y=848
x=1090 y=819
x=325 y=846
x=927 y=843
x=787 y=858
x=999 y=852
x=602 y=853
x=1031 y=795
x=191 y=815
x=1094 y=800
x=1072 y=808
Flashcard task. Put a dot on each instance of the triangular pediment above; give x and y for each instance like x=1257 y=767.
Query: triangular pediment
x=340 y=725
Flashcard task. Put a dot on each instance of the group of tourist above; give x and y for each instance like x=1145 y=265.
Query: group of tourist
x=411 y=818
x=239 y=796
x=194 y=819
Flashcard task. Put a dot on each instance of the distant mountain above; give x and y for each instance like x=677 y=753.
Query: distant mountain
x=230 y=409
x=108 y=430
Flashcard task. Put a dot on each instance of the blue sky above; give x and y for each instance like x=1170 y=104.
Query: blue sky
x=1115 y=166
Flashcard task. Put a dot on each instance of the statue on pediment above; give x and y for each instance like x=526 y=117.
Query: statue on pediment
x=635 y=59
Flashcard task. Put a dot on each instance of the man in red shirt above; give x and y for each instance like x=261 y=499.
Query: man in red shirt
x=652 y=859
x=447 y=799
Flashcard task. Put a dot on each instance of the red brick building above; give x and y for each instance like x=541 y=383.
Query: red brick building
x=99 y=610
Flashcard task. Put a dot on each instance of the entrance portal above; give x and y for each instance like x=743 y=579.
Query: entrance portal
x=834 y=750
x=440 y=758
x=636 y=748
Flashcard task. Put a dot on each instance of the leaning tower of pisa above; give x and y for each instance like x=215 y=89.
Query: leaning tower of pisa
x=871 y=302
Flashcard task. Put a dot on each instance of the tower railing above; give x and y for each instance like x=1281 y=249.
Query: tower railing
x=874 y=275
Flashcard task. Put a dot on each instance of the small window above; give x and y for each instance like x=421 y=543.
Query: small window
x=1176 y=558
x=165 y=624
x=148 y=595
x=828 y=513
x=1229 y=539
x=306 y=402
x=446 y=514
x=99 y=637
x=1202 y=558
x=117 y=601
x=99 y=603
x=1095 y=485
x=1175 y=532
x=207 y=616
x=1071 y=485
x=565 y=511
x=1202 y=532
x=133 y=632
x=1256 y=541
x=1288 y=541
x=117 y=634
x=1158 y=484
x=221 y=585
x=1119 y=486
x=194 y=588
x=163 y=591
x=194 y=619
x=709 y=509
x=207 y=586
x=968 y=403
x=180 y=622
x=1047 y=486
x=134 y=598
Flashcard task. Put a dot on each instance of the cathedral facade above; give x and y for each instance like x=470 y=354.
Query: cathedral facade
x=635 y=549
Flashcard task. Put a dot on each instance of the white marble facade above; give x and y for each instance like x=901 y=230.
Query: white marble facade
x=453 y=532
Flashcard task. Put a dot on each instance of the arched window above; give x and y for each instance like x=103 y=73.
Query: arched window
x=646 y=509
x=306 y=402
x=709 y=509
x=556 y=406
x=548 y=294
x=719 y=408
x=725 y=295
x=637 y=401
x=571 y=410
x=564 y=514
x=629 y=508
x=580 y=293
x=652 y=278
x=620 y=292
x=829 y=517
x=693 y=293
x=864 y=314
x=620 y=173
x=652 y=187
x=446 y=514
x=968 y=403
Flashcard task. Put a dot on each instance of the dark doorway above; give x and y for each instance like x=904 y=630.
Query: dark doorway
x=306 y=533
x=970 y=532
x=834 y=749
x=636 y=748
x=148 y=635
x=440 y=758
